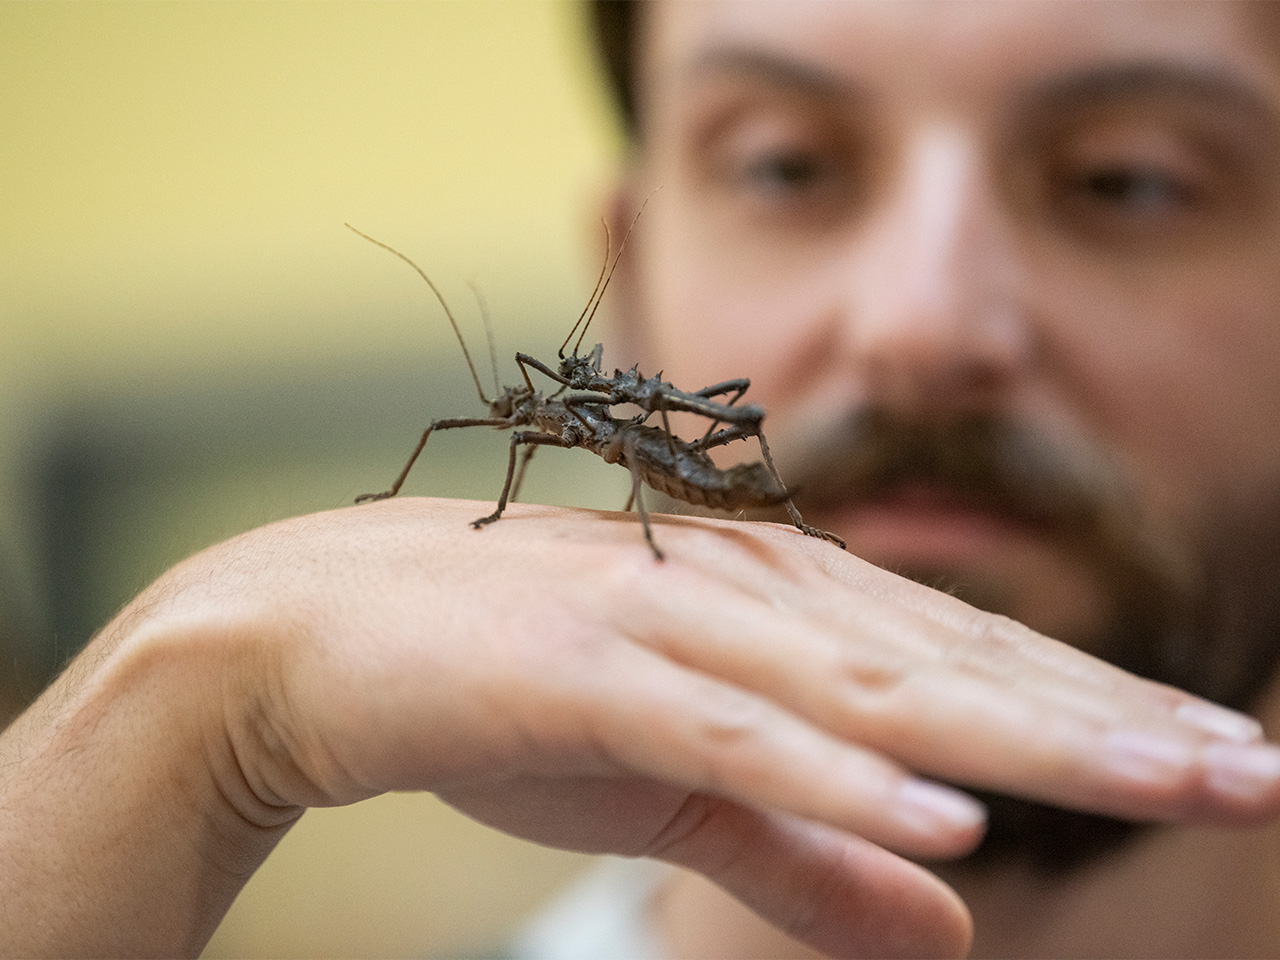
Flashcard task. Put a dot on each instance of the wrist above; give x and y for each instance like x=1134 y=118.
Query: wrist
x=126 y=822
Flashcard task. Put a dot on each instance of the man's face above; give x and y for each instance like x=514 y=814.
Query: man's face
x=1061 y=219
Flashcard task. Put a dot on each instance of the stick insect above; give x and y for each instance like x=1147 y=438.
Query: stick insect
x=654 y=456
x=655 y=395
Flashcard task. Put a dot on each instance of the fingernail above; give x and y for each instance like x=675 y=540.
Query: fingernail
x=1147 y=757
x=1245 y=772
x=931 y=806
x=1220 y=721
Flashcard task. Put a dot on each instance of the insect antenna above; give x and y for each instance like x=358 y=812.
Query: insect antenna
x=488 y=333
x=604 y=265
x=447 y=312
x=589 y=312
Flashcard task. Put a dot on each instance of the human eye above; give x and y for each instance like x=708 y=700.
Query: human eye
x=1145 y=179
x=1143 y=192
x=789 y=168
x=1136 y=189
x=783 y=173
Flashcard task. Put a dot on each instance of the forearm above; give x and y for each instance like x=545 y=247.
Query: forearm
x=125 y=824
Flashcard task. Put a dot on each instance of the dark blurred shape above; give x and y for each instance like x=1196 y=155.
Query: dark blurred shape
x=20 y=633
x=613 y=23
x=117 y=488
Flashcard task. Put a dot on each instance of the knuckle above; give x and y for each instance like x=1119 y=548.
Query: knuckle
x=731 y=734
x=688 y=823
x=731 y=723
x=870 y=677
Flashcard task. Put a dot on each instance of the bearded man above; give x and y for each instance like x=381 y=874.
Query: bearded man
x=1004 y=277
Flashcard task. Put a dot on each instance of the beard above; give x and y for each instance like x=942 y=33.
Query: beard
x=1195 y=608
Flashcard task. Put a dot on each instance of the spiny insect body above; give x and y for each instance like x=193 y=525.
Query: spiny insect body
x=655 y=456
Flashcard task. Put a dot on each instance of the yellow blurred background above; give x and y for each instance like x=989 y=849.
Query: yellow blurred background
x=191 y=343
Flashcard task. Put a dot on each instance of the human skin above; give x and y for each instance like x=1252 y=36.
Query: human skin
x=944 y=255
x=712 y=710
x=760 y=707
x=1066 y=213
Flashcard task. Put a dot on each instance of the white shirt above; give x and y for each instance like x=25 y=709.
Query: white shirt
x=605 y=915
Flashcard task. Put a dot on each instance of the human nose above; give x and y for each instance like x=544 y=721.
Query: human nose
x=935 y=318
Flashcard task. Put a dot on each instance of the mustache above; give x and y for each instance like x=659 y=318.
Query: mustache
x=982 y=460
x=1048 y=478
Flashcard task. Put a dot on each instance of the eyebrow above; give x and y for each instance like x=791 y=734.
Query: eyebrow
x=1149 y=80
x=779 y=71
x=1212 y=86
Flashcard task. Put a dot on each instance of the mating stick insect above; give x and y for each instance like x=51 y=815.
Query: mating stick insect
x=655 y=395
x=654 y=456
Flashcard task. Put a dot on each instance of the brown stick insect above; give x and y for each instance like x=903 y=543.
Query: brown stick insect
x=655 y=395
x=655 y=456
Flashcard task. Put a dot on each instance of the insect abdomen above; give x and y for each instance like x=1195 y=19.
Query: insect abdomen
x=741 y=486
x=693 y=478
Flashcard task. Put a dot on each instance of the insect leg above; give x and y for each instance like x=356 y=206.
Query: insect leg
x=434 y=425
x=748 y=415
x=704 y=406
x=666 y=427
x=727 y=435
x=524 y=465
x=524 y=360
x=791 y=507
x=576 y=403
x=741 y=414
x=737 y=387
x=517 y=438
x=638 y=499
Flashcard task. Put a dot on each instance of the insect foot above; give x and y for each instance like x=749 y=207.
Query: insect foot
x=823 y=535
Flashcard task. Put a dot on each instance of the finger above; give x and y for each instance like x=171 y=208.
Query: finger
x=836 y=892
x=1005 y=644
x=892 y=682
x=649 y=716
x=883 y=612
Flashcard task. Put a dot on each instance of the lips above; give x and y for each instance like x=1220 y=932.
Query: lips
x=925 y=524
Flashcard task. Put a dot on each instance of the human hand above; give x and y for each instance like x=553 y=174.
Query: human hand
x=761 y=707
x=715 y=709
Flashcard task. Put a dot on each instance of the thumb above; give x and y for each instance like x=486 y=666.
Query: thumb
x=831 y=890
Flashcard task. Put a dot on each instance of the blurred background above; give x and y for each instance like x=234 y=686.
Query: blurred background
x=191 y=344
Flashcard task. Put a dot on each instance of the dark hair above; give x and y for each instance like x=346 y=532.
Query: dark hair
x=614 y=24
